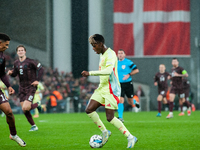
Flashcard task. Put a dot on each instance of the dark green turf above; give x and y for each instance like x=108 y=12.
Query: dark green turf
x=73 y=131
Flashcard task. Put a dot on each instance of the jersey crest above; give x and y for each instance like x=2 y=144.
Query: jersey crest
x=123 y=66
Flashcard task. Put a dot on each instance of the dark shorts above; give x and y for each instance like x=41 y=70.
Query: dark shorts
x=127 y=89
x=178 y=91
x=162 y=92
x=27 y=93
x=3 y=99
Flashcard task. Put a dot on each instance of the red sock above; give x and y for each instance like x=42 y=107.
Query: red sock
x=171 y=106
x=33 y=106
x=188 y=104
x=181 y=106
x=29 y=117
x=159 y=106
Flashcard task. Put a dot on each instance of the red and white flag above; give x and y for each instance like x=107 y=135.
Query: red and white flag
x=152 y=27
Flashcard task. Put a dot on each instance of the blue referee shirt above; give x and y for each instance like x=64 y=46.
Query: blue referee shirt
x=125 y=67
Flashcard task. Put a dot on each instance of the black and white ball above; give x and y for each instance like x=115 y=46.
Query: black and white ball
x=95 y=141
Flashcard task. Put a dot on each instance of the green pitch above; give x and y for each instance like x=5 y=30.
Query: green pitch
x=73 y=131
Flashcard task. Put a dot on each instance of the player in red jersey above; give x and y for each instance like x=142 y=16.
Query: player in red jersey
x=29 y=73
x=177 y=85
x=4 y=105
x=160 y=80
x=186 y=89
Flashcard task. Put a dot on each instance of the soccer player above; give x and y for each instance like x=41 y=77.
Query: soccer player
x=29 y=73
x=176 y=76
x=186 y=89
x=160 y=80
x=108 y=92
x=126 y=68
x=4 y=104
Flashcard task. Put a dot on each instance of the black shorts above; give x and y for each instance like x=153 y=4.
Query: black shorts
x=127 y=89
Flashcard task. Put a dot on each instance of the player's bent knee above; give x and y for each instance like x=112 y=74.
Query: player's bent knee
x=8 y=112
x=110 y=118
x=88 y=111
x=25 y=109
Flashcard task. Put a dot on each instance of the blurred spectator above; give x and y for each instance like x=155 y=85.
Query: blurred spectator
x=140 y=92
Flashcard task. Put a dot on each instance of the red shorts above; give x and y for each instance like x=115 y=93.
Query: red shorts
x=178 y=91
x=162 y=92
x=3 y=99
x=27 y=93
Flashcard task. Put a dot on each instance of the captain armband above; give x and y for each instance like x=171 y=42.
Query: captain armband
x=184 y=72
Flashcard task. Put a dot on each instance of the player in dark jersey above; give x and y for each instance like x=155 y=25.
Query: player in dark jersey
x=126 y=68
x=4 y=105
x=176 y=76
x=160 y=80
x=29 y=73
x=186 y=89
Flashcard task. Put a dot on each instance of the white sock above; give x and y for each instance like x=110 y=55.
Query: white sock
x=130 y=136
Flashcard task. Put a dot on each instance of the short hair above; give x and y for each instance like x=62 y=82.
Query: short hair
x=121 y=50
x=4 y=37
x=174 y=58
x=163 y=65
x=96 y=38
x=20 y=46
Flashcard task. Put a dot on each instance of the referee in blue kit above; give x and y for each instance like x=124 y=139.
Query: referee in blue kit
x=126 y=68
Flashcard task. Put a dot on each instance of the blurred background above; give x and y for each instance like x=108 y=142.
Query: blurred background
x=55 y=32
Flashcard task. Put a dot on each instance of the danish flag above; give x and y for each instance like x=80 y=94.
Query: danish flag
x=152 y=27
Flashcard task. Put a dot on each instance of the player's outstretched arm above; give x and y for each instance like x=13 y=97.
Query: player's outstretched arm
x=104 y=72
x=85 y=73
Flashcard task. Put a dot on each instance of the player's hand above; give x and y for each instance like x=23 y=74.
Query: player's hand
x=11 y=90
x=126 y=77
x=155 y=83
x=35 y=83
x=10 y=72
x=85 y=73
x=175 y=74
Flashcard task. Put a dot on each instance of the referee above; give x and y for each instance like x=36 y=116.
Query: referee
x=126 y=68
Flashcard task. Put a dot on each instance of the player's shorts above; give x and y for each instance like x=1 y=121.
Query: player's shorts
x=127 y=89
x=27 y=93
x=162 y=92
x=109 y=100
x=178 y=91
x=3 y=98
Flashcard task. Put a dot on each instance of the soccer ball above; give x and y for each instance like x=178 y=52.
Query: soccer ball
x=95 y=141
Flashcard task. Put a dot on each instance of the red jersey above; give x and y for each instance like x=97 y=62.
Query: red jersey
x=28 y=71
